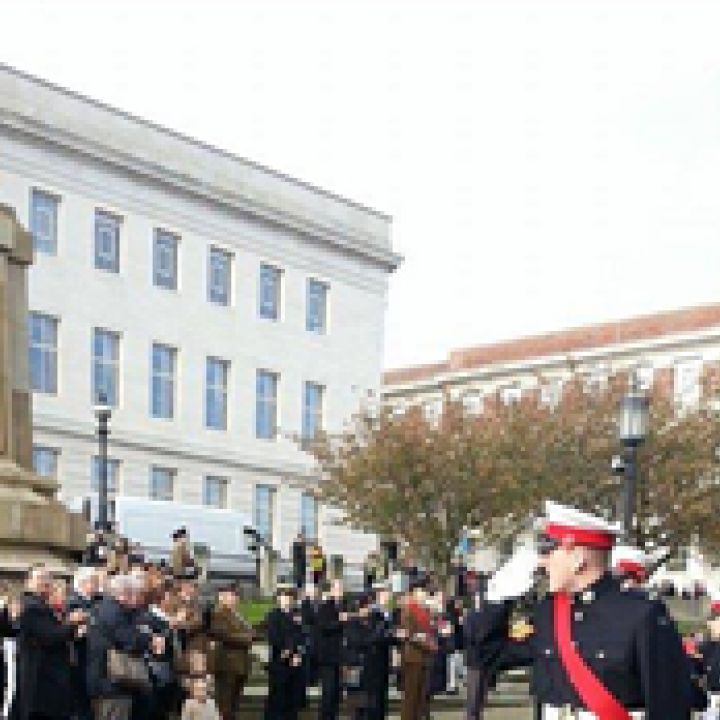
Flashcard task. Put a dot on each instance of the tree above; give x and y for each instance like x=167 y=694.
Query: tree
x=425 y=480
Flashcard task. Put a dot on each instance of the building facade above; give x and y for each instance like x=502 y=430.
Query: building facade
x=224 y=310
x=675 y=349
x=677 y=353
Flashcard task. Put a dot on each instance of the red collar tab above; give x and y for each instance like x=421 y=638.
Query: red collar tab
x=635 y=570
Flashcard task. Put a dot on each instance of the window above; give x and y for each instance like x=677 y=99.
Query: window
x=43 y=222
x=687 y=383
x=216 y=382
x=43 y=353
x=113 y=474
x=266 y=405
x=316 y=315
x=106 y=360
x=551 y=393
x=312 y=417
x=644 y=376
x=107 y=241
x=309 y=516
x=219 y=276
x=215 y=491
x=510 y=395
x=265 y=511
x=270 y=284
x=432 y=409
x=162 y=481
x=165 y=259
x=45 y=461
x=163 y=382
x=473 y=403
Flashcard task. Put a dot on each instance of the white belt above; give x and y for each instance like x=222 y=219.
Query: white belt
x=550 y=712
x=714 y=700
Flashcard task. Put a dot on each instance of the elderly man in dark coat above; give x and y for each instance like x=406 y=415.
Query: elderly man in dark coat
x=116 y=626
x=44 y=682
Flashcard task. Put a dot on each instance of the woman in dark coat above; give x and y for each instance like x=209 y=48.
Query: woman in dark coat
x=44 y=680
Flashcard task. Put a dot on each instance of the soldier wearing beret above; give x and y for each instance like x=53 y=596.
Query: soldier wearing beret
x=232 y=638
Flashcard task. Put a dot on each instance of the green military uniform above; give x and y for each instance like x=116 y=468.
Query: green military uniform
x=232 y=637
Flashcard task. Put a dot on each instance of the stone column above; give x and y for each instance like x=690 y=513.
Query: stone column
x=34 y=526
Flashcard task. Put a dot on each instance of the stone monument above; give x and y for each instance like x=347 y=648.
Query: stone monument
x=34 y=526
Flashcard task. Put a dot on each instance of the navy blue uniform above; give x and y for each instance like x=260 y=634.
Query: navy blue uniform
x=628 y=640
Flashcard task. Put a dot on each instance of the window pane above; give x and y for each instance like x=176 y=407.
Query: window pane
x=316 y=316
x=43 y=353
x=312 y=410
x=163 y=381
x=216 y=373
x=265 y=511
x=308 y=516
x=270 y=282
x=162 y=481
x=106 y=351
x=107 y=242
x=219 y=277
x=165 y=259
x=215 y=491
x=266 y=405
x=113 y=472
x=43 y=222
x=45 y=461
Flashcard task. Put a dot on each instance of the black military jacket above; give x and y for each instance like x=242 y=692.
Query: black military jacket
x=710 y=651
x=627 y=639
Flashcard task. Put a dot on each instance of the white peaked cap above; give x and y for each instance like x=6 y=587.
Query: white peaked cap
x=629 y=554
x=557 y=514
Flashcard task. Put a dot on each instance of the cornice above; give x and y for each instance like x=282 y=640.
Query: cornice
x=683 y=344
x=344 y=238
x=67 y=427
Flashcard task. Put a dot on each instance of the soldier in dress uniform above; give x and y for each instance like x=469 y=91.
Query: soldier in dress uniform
x=232 y=636
x=598 y=650
x=630 y=565
x=419 y=645
x=709 y=652
x=285 y=680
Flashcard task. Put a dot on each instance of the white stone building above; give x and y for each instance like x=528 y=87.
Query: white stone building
x=223 y=308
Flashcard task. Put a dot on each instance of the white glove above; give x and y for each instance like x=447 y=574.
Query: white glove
x=515 y=577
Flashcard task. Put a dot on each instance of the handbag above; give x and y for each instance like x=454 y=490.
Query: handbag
x=127 y=671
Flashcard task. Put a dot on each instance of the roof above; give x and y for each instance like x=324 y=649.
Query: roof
x=564 y=342
x=82 y=125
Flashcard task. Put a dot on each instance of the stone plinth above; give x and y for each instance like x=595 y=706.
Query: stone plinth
x=34 y=526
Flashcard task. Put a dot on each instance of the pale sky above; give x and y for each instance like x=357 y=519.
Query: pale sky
x=547 y=164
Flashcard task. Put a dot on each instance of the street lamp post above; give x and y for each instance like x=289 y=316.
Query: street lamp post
x=103 y=411
x=633 y=423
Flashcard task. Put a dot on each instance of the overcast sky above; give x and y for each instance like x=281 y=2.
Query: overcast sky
x=547 y=164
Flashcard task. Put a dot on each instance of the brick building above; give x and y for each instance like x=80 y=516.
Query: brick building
x=675 y=352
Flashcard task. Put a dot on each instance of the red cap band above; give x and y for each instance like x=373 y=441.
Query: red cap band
x=589 y=538
x=715 y=607
x=635 y=570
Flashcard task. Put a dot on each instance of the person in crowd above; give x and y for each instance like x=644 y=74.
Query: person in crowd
x=707 y=661
x=188 y=620
x=443 y=631
x=356 y=642
x=83 y=597
x=232 y=637
x=200 y=706
x=419 y=645
x=164 y=686
x=115 y=640
x=318 y=565
x=299 y=560
x=331 y=620
x=309 y=606
x=182 y=561
x=44 y=640
x=285 y=671
x=456 y=666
